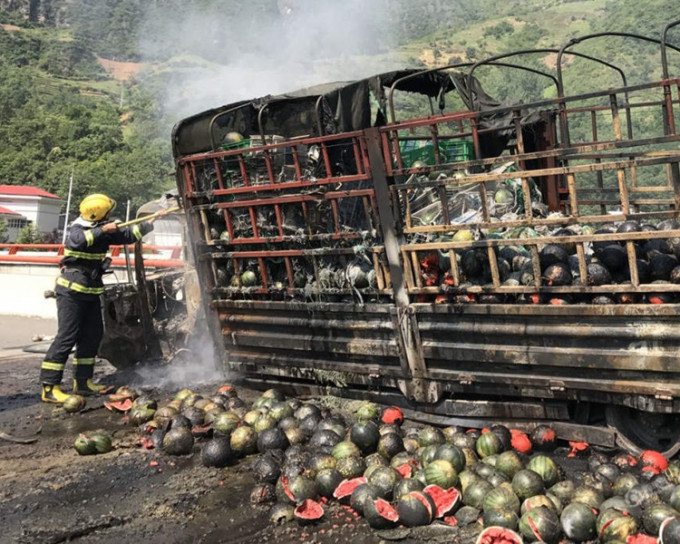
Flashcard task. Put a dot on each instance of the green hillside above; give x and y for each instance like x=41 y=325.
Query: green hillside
x=95 y=88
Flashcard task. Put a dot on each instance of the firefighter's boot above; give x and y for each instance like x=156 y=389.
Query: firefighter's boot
x=82 y=386
x=53 y=394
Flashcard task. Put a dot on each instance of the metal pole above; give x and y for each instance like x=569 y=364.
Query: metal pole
x=68 y=208
x=126 y=250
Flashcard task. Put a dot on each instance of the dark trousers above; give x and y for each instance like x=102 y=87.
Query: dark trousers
x=79 y=324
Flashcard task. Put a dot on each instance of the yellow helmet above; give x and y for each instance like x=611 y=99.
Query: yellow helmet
x=95 y=207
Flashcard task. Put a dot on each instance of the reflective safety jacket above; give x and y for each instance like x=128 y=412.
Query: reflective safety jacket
x=85 y=252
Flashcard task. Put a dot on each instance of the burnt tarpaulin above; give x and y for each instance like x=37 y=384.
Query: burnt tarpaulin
x=430 y=83
x=501 y=122
x=324 y=109
x=338 y=107
x=205 y=131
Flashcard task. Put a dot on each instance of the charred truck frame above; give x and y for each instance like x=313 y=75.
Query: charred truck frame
x=491 y=262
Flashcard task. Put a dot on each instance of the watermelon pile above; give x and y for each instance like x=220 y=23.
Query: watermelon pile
x=306 y=458
x=606 y=263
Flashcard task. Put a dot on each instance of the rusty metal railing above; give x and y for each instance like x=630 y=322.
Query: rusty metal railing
x=153 y=255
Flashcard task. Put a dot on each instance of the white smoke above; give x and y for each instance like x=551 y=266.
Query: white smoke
x=265 y=47
x=197 y=364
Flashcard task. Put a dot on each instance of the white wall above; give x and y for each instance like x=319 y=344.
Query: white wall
x=40 y=211
x=12 y=234
x=24 y=286
x=48 y=214
x=24 y=206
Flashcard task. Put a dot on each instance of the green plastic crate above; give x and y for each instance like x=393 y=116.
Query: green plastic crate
x=449 y=151
x=245 y=143
x=458 y=150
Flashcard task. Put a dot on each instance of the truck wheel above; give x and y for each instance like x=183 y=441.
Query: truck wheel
x=638 y=430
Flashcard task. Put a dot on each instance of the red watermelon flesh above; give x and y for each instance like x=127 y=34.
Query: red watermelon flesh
x=543 y=436
x=286 y=489
x=393 y=414
x=426 y=503
x=534 y=529
x=653 y=461
x=445 y=500
x=415 y=509
x=641 y=539
x=386 y=510
x=309 y=511
x=498 y=535
x=520 y=441
x=347 y=487
x=120 y=406
x=380 y=514
x=406 y=470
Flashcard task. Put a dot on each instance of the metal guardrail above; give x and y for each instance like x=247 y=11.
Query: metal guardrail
x=161 y=256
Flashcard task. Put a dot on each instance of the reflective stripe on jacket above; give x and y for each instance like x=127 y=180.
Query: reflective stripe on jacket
x=85 y=250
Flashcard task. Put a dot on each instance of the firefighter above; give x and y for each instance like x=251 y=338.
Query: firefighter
x=78 y=290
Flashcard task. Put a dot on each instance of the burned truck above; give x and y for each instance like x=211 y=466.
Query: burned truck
x=479 y=260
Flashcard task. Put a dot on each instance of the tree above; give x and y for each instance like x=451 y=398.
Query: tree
x=28 y=235
x=3 y=231
x=499 y=30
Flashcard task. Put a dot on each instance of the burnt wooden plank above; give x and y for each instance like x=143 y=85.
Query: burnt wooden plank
x=312 y=342
x=554 y=356
x=522 y=379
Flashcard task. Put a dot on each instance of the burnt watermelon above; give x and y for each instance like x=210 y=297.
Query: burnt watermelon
x=540 y=524
x=498 y=535
x=488 y=444
x=578 y=522
x=344 y=490
x=669 y=532
x=615 y=525
x=383 y=479
x=441 y=472
x=445 y=500
x=500 y=517
x=526 y=483
x=502 y=496
x=361 y=495
x=365 y=435
x=309 y=511
x=327 y=480
x=380 y=514
x=416 y=508
x=543 y=438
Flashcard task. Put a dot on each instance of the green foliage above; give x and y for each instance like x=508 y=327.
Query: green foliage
x=19 y=49
x=9 y=17
x=498 y=31
x=529 y=37
x=71 y=60
x=28 y=235
x=3 y=231
x=109 y=27
x=627 y=16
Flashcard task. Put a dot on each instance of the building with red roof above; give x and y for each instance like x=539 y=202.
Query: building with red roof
x=24 y=204
x=25 y=190
x=7 y=212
